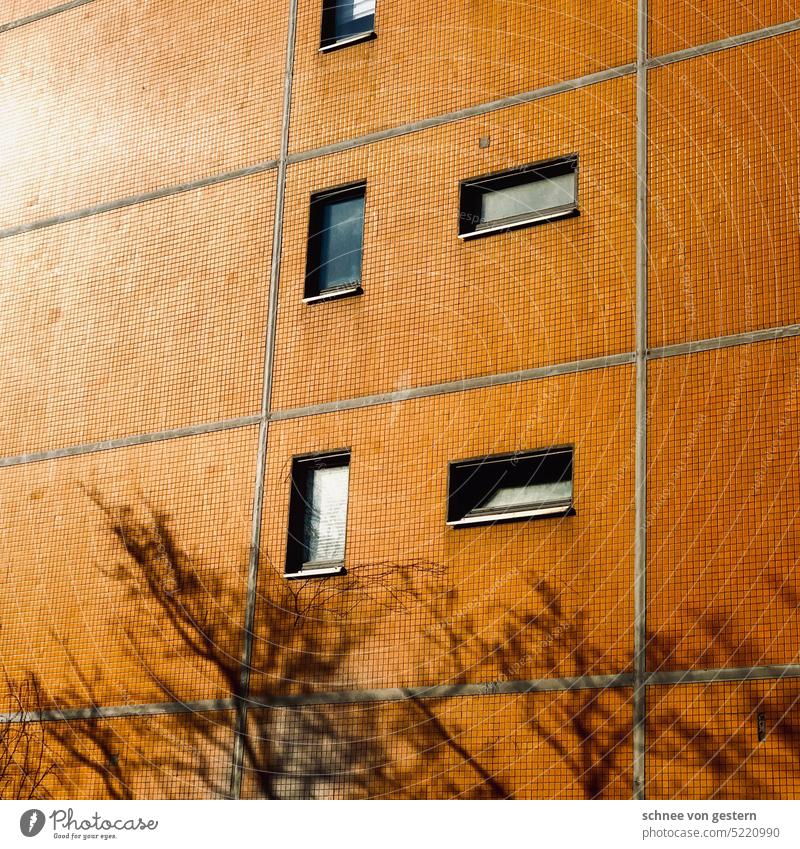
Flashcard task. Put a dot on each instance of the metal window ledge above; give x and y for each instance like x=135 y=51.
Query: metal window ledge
x=508 y=225
x=346 y=42
x=316 y=572
x=335 y=294
x=511 y=516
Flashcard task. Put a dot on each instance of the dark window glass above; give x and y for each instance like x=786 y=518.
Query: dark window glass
x=336 y=233
x=510 y=486
x=528 y=195
x=344 y=20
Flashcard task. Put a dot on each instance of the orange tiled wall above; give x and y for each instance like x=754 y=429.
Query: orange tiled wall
x=14 y=10
x=144 y=319
x=107 y=555
x=724 y=244
x=703 y=741
x=186 y=756
x=126 y=570
x=109 y=100
x=438 y=309
x=432 y=58
x=723 y=546
x=677 y=24
x=425 y=603
x=543 y=746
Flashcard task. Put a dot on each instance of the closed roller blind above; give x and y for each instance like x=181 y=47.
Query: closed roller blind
x=528 y=198
x=326 y=514
x=532 y=493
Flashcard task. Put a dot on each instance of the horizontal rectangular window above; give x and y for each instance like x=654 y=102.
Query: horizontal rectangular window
x=318 y=515
x=528 y=195
x=508 y=487
x=335 y=240
x=346 y=22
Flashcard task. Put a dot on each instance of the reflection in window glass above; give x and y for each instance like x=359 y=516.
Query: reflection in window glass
x=344 y=19
x=342 y=231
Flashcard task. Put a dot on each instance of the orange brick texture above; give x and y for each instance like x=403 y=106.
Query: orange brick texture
x=126 y=571
x=106 y=101
x=424 y=603
x=184 y=756
x=678 y=24
x=544 y=746
x=433 y=58
x=724 y=244
x=437 y=309
x=14 y=10
x=723 y=548
x=145 y=319
x=118 y=566
x=705 y=741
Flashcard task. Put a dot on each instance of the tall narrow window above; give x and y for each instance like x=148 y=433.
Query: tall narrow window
x=318 y=515
x=346 y=22
x=335 y=239
x=529 y=195
x=507 y=487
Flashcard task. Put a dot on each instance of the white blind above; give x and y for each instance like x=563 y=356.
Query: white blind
x=326 y=514
x=532 y=493
x=528 y=198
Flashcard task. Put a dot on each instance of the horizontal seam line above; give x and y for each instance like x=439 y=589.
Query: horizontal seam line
x=523 y=376
x=416 y=126
x=444 y=691
x=126 y=441
x=530 y=96
x=135 y=200
x=471 y=384
x=739 y=673
x=622 y=680
x=118 y=711
x=448 y=388
x=508 y=102
x=721 y=44
x=45 y=13
x=749 y=337
x=512 y=687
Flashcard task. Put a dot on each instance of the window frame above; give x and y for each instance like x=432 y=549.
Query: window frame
x=328 y=42
x=458 y=480
x=311 y=289
x=298 y=506
x=472 y=190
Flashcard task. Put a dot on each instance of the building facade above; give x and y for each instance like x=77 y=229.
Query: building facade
x=179 y=365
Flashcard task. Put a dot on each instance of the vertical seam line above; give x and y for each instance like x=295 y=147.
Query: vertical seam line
x=242 y=696
x=639 y=730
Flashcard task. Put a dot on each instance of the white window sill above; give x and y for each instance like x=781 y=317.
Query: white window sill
x=346 y=42
x=505 y=226
x=316 y=572
x=542 y=512
x=335 y=294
